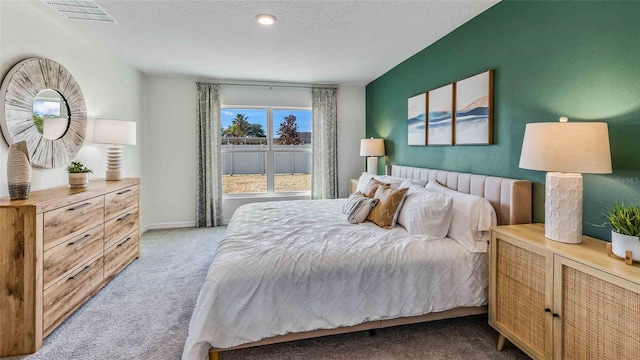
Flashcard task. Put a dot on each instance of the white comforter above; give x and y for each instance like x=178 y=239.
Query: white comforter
x=299 y=266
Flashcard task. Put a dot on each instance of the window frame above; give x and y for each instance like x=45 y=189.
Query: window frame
x=269 y=151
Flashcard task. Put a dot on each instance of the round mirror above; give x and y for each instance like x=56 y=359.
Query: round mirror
x=41 y=103
x=51 y=114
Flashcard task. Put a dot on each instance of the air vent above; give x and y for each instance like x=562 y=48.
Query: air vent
x=84 y=10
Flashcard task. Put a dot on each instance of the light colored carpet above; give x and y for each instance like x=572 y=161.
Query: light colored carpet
x=144 y=314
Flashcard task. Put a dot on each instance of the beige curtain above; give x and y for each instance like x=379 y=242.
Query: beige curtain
x=209 y=187
x=324 y=183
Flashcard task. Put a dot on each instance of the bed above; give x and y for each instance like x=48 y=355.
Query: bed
x=293 y=270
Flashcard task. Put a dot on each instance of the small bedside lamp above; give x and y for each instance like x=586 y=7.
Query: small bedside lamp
x=115 y=133
x=566 y=150
x=372 y=148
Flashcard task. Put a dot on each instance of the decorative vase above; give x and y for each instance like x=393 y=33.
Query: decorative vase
x=78 y=180
x=621 y=243
x=19 y=171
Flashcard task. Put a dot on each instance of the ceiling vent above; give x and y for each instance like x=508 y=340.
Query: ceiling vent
x=85 y=10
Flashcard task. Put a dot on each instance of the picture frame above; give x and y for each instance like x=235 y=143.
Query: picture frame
x=416 y=120
x=440 y=118
x=474 y=110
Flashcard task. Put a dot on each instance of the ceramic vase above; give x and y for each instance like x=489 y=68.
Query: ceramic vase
x=19 y=171
x=621 y=243
x=78 y=180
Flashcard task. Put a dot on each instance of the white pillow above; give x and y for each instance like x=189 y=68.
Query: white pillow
x=357 y=207
x=363 y=181
x=411 y=183
x=472 y=217
x=426 y=213
x=365 y=177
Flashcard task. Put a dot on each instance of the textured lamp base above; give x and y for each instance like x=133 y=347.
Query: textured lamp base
x=372 y=165
x=563 y=207
x=114 y=162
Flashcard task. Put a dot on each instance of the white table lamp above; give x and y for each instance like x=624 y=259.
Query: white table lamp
x=114 y=133
x=372 y=148
x=566 y=150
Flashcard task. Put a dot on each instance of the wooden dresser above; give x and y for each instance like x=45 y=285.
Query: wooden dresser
x=57 y=249
x=562 y=301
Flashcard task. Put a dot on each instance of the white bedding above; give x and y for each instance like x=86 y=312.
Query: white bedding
x=300 y=265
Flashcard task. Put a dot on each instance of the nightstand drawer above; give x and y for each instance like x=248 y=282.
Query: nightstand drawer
x=118 y=202
x=67 y=222
x=62 y=298
x=119 y=256
x=61 y=259
x=116 y=229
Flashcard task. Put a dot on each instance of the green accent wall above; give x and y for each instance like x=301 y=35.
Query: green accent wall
x=579 y=59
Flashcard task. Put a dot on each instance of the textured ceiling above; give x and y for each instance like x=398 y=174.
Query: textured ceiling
x=338 y=42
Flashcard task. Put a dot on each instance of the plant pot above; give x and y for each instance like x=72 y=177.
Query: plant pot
x=78 y=180
x=621 y=243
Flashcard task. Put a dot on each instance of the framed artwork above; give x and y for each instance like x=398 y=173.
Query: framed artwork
x=474 y=110
x=440 y=116
x=416 y=120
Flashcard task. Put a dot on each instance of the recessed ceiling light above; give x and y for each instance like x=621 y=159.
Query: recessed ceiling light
x=266 y=19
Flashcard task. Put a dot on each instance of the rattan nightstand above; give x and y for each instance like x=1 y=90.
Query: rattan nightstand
x=562 y=301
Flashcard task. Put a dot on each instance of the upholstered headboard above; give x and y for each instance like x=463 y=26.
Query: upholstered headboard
x=510 y=198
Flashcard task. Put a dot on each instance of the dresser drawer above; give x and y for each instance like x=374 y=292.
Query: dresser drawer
x=60 y=260
x=118 y=228
x=119 y=256
x=64 y=297
x=117 y=202
x=68 y=222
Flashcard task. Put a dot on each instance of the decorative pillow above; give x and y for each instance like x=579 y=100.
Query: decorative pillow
x=369 y=190
x=385 y=213
x=357 y=207
x=393 y=181
x=426 y=213
x=471 y=220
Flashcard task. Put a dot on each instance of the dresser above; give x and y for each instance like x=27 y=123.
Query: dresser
x=562 y=301
x=57 y=249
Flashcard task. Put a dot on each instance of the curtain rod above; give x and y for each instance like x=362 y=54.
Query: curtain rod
x=274 y=86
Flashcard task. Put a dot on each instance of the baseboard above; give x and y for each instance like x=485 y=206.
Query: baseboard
x=169 y=225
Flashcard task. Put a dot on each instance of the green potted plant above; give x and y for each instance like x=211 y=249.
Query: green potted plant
x=78 y=175
x=625 y=229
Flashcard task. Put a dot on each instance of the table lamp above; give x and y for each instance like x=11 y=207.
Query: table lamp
x=114 y=133
x=566 y=150
x=372 y=148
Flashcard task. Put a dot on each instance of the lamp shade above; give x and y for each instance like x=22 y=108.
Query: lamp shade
x=372 y=147
x=569 y=147
x=114 y=132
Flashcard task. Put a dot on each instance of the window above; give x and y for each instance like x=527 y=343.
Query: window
x=266 y=150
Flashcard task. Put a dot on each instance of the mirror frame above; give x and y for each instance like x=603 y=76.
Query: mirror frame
x=19 y=89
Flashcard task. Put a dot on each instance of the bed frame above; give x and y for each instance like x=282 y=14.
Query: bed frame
x=511 y=200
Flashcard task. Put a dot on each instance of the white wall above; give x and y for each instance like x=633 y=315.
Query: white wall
x=170 y=153
x=111 y=88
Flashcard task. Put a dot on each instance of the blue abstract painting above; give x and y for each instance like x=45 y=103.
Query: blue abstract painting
x=440 y=117
x=473 y=110
x=416 y=120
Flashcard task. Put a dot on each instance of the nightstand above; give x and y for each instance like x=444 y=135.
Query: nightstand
x=353 y=186
x=555 y=300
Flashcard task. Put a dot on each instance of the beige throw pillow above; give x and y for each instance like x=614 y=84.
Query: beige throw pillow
x=385 y=213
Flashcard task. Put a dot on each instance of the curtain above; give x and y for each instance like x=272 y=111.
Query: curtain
x=209 y=188
x=324 y=177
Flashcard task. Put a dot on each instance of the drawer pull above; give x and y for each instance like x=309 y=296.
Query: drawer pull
x=124 y=242
x=86 y=268
x=123 y=192
x=124 y=217
x=79 y=240
x=79 y=207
